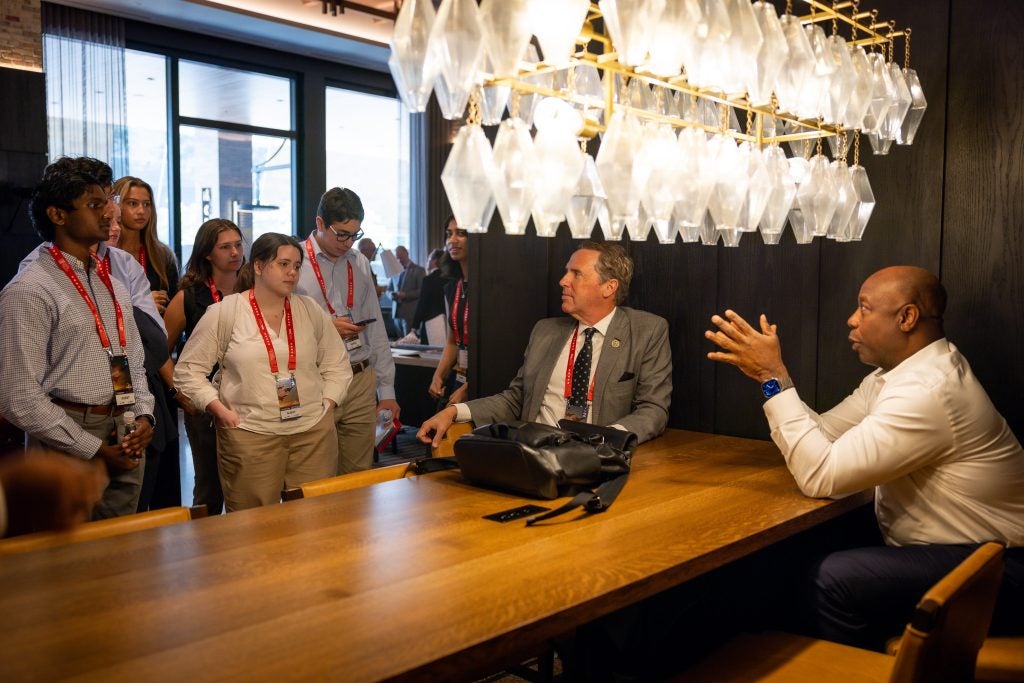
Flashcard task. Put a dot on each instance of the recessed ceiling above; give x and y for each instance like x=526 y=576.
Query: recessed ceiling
x=296 y=26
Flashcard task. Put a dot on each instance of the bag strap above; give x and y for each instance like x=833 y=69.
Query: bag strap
x=428 y=465
x=225 y=324
x=598 y=500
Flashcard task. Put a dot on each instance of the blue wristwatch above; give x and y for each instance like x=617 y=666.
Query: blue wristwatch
x=775 y=386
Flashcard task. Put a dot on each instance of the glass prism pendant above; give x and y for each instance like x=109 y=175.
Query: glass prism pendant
x=557 y=24
x=456 y=39
x=865 y=202
x=467 y=178
x=412 y=64
x=587 y=201
x=918 y=105
x=506 y=30
x=515 y=163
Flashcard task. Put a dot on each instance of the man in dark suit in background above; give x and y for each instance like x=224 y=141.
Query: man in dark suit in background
x=406 y=290
x=631 y=381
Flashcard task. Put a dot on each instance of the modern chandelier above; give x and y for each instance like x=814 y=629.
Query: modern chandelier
x=693 y=100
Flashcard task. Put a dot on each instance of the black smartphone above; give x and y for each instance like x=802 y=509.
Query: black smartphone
x=365 y=322
x=515 y=513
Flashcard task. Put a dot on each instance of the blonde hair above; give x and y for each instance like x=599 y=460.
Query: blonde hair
x=154 y=253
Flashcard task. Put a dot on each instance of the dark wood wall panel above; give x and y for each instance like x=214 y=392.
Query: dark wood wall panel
x=983 y=245
x=679 y=284
x=906 y=227
x=22 y=159
x=781 y=282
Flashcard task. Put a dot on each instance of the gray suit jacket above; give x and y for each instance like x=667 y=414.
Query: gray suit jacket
x=632 y=387
x=411 y=283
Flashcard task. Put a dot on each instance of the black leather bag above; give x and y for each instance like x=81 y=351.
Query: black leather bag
x=586 y=461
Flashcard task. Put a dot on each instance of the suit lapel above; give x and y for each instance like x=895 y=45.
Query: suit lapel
x=609 y=366
x=551 y=347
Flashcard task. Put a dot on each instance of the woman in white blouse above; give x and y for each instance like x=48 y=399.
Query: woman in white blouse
x=283 y=369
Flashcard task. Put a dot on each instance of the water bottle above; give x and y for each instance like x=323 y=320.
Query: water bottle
x=128 y=422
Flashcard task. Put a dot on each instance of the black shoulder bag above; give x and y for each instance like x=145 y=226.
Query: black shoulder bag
x=589 y=462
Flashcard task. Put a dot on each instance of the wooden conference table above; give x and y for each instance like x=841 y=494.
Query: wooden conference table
x=401 y=579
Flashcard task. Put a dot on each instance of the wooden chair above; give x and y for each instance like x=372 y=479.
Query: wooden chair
x=446 y=449
x=1001 y=660
x=345 y=482
x=940 y=643
x=103 y=528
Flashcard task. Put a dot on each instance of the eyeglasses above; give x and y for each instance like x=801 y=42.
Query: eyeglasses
x=345 y=236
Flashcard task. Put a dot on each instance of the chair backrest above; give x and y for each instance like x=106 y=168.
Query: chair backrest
x=345 y=482
x=103 y=528
x=942 y=640
x=446 y=448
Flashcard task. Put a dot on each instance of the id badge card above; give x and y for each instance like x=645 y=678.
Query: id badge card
x=577 y=413
x=461 y=364
x=121 y=377
x=288 y=398
x=354 y=342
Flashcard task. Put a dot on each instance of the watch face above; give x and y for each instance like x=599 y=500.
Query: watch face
x=770 y=388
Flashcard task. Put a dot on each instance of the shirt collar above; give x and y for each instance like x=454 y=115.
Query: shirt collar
x=318 y=250
x=924 y=356
x=601 y=325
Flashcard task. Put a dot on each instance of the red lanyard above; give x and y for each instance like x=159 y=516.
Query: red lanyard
x=266 y=335
x=569 y=368
x=214 y=292
x=461 y=338
x=103 y=271
x=142 y=256
x=320 y=278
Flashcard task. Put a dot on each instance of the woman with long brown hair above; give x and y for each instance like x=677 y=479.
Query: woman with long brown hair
x=210 y=275
x=139 y=238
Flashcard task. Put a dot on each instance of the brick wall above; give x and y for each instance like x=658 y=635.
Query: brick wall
x=21 y=43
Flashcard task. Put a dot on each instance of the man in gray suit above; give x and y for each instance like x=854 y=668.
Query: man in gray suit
x=406 y=290
x=632 y=379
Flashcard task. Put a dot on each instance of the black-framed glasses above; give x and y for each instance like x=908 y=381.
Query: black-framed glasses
x=345 y=236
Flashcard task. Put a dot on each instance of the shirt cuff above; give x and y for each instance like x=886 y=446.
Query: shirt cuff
x=462 y=413
x=782 y=406
x=386 y=392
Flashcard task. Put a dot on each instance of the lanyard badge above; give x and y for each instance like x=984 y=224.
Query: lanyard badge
x=351 y=342
x=286 y=388
x=120 y=373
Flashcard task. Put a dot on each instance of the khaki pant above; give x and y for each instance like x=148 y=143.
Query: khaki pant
x=356 y=421
x=255 y=467
x=121 y=497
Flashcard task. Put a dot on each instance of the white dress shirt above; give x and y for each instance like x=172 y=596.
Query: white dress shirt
x=946 y=467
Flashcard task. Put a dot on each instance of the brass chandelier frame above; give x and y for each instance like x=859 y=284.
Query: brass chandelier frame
x=874 y=32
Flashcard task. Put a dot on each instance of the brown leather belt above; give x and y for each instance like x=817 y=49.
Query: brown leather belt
x=360 y=366
x=83 y=408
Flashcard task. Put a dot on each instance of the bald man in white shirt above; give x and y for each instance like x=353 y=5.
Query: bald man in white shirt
x=947 y=471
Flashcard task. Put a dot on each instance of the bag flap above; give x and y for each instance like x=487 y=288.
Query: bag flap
x=508 y=466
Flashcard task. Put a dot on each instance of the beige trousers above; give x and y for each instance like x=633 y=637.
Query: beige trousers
x=356 y=420
x=254 y=468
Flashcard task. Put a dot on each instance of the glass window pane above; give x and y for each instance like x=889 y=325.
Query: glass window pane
x=146 y=116
x=368 y=152
x=242 y=177
x=218 y=93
